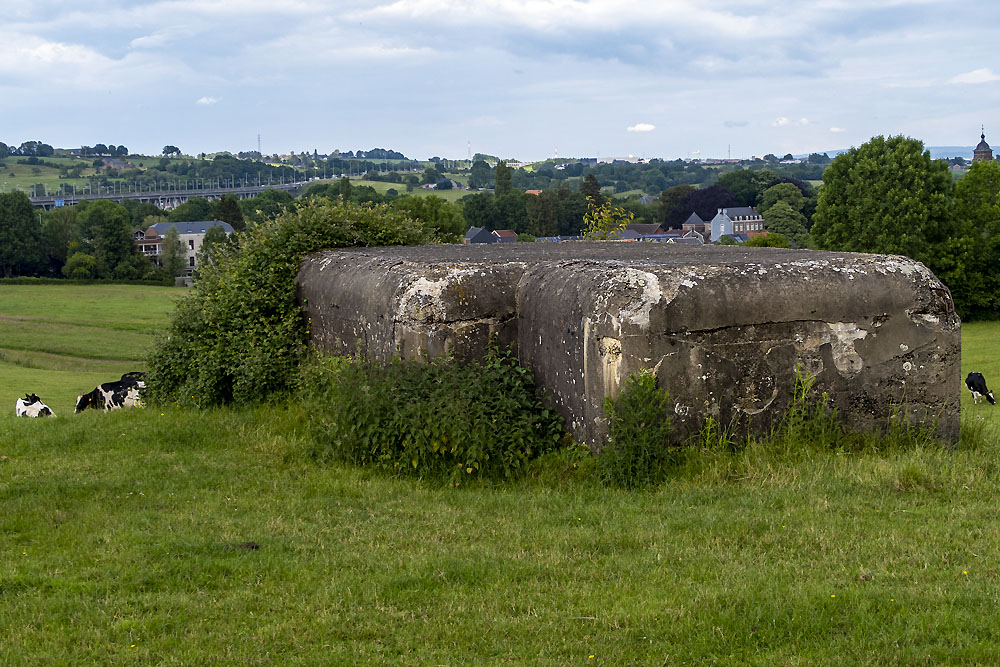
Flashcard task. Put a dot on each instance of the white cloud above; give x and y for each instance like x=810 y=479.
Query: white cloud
x=837 y=129
x=641 y=127
x=982 y=75
x=782 y=121
x=207 y=101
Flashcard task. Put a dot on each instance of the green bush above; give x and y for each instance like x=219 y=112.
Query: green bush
x=240 y=335
x=434 y=418
x=638 y=451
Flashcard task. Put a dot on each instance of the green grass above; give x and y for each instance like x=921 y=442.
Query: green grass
x=126 y=540
x=24 y=176
x=59 y=341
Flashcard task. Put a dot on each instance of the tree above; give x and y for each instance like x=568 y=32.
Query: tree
x=430 y=176
x=572 y=208
x=591 y=190
x=214 y=240
x=21 y=247
x=885 y=196
x=268 y=204
x=60 y=233
x=172 y=253
x=675 y=206
x=480 y=210
x=502 y=179
x=977 y=213
x=435 y=213
x=107 y=230
x=513 y=214
x=747 y=185
x=602 y=221
x=706 y=202
x=782 y=219
x=228 y=210
x=140 y=211
x=80 y=266
x=479 y=175
x=194 y=209
x=543 y=213
x=171 y=150
x=786 y=192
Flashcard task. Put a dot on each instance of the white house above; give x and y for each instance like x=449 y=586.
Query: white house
x=738 y=220
x=191 y=235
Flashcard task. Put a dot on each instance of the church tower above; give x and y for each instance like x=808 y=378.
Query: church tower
x=983 y=152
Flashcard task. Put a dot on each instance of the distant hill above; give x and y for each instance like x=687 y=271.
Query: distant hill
x=937 y=152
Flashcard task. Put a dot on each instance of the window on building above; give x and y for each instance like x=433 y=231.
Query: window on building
x=190 y=244
x=191 y=261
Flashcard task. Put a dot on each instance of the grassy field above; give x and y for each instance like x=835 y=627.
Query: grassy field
x=168 y=536
x=59 y=341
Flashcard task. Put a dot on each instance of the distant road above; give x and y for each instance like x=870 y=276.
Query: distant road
x=165 y=199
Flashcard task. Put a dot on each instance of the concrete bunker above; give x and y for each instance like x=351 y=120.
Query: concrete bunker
x=723 y=328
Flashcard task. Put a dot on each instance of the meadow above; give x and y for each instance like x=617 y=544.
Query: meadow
x=171 y=536
x=59 y=341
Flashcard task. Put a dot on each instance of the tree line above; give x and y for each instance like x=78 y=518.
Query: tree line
x=96 y=239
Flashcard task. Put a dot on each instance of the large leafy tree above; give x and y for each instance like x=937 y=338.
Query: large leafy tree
x=268 y=204
x=674 y=206
x=21 y=246
x=61 y=235
x=172 y=254
x=502 y=179
x=885 y=196
x=888 y=196
x=706 y=202
x=591 y=189
x=106 y=228
x=438 y=214
x=786 y=192
x=977 y=213
x=783 y=219
x=543 y=213
x=513 y=212
x=228 y=210
x=479 y=175
x=240 y=334
x=747 y=185
x=480 y=210
x=194 y=209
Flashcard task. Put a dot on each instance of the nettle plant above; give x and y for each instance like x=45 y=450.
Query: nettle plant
x=638 y=451
x=240 y=335
x=432 y=418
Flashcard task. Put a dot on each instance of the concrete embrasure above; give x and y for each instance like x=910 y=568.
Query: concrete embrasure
x=725 y=329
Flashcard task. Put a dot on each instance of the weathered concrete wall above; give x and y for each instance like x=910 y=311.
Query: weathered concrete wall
x=724 y=328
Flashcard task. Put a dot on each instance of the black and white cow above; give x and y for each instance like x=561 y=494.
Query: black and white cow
x=977 y=385
x=32 y=406
x=123 y=393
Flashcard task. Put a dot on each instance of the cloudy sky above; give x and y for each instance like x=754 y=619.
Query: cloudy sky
x=516 y=78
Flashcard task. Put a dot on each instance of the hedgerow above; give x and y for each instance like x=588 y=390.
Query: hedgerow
x=239 y=336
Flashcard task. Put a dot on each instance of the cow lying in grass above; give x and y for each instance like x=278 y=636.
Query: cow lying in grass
x=123 y=393
x=32 y=406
